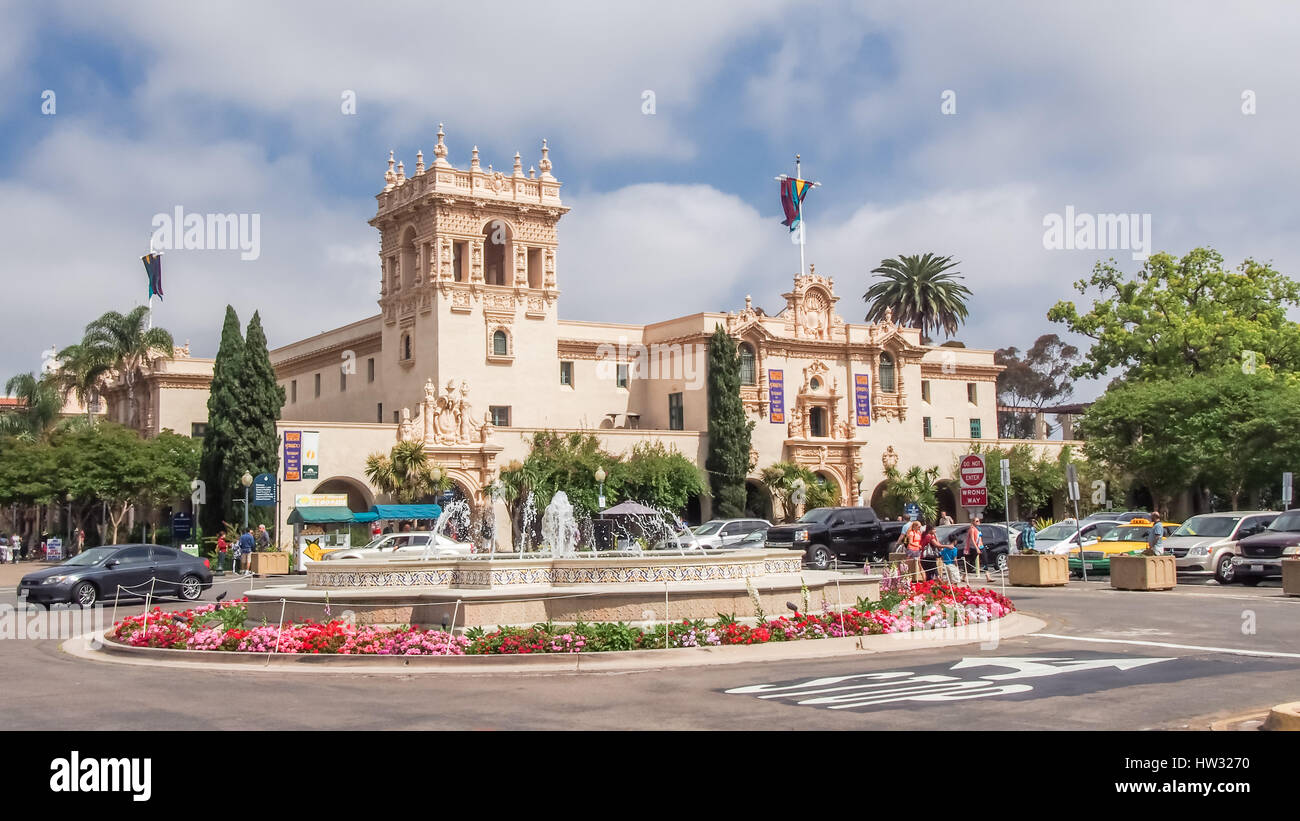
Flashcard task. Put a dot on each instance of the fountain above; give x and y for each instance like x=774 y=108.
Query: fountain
x=526 y=520
x=559 y=528
x=457 y=512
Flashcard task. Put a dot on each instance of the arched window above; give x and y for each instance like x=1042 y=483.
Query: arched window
x=817 y=422
x=888 y=380
x=500 y=345
x=406 y=347
x=498 y=253
x=748 y=367
x=408 y=267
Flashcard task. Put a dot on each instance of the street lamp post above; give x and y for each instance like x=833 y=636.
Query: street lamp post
x=247 y=481
x=600 y=477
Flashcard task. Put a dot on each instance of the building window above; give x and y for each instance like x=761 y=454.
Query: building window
x=676 y=419
x=972 y=395
x=926 y=430
x=748 y=366
x=888 y=384
x=406 y=347
x=318 y=386
x=370 y=369
x=293 y=391
x=458 y=261
x=395 y=418
x=566 y=373
x=975 y=429
x=925 y=390
x=500 y=344
x=343 y=381
x=500 y=415
x=817 y=422
x=620 y=377
x=379 y=413
x=198 y=430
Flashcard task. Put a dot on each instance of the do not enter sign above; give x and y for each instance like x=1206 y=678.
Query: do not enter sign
x=974 y=483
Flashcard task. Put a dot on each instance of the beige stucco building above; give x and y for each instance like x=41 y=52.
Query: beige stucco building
x=468 y=355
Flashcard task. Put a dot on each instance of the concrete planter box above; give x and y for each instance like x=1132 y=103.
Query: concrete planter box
x=1143 y=572
x=1291 y=577
x=1042 y=570
x=269 y=564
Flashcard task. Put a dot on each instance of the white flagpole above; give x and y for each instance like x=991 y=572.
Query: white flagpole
x=802 y=234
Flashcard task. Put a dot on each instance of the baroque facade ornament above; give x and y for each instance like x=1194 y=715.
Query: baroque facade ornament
x=444 y=419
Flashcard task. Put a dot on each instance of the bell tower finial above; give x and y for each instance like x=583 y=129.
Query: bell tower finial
x=440 y=150
x=519 y=166
x=545 y=165
x=419 y=162
x=473 y=160
x=390 y=177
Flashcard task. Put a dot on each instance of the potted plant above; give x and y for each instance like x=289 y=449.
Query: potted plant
x=1143 y=570
x=270 y=562
x=1030 y=568
x=1290 y=573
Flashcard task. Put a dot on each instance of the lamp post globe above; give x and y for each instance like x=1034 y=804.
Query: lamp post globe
x=600 y=477
x=246 y=480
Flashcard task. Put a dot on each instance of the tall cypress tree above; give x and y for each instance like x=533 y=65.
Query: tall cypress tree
x=223 y=427
x=260 y=401
x=729 y=431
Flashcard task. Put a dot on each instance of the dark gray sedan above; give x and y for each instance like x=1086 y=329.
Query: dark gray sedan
x=121 y=570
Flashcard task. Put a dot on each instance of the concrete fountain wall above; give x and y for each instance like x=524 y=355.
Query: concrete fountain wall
x=481 y=591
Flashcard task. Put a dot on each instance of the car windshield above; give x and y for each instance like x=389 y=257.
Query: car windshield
x=1128 y=533
x=708 y=528
x=1055 y=533
x=1208 y=526
x=821 y=514
x=94 y=556
x=1288 y=522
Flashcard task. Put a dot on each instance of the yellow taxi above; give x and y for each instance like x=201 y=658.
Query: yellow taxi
x=1129 y=538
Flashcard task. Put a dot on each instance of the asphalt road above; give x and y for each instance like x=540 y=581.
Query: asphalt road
x=1106 y=660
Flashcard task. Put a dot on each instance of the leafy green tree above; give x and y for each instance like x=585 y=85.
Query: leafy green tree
x=1034 y=479
x=916 y=484
x=127 y=341
x=82 y=370
x=405 y=473
x=1039 y=377
x=793 y=487
x=260 y=400
x=658 y=476
x=221 y=464
x=730 y=433
x=922 y=291
x=38 y=407
x=1185 y=317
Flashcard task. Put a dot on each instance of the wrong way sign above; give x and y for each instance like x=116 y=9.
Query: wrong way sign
x=974 y=481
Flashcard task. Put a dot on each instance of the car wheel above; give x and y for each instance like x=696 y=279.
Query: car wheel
x=820 y=557
x=191 y=587
x=84 y=594
x=1224 y=571
x=1251 y=581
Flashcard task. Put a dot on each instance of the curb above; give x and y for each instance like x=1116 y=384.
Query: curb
x=1011 y=626
x=1283 y=717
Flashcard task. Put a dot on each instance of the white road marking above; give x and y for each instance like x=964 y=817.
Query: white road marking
x=1233 y=650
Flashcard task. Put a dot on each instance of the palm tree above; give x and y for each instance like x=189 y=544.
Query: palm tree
x=918 y=484
x=128 y=343
x=81 y=370
x=921 y=292
x=38 y=407
x=405 y=473
x=518 y=481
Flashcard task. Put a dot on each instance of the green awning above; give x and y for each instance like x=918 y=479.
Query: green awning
x=320 y=515
x=406 y=512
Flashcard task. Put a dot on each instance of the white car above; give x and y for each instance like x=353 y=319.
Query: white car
x=727 y=532
x=1063 y=537
x=411 y=545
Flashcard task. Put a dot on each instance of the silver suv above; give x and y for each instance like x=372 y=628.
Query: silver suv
x=727 y=532
x=1207 y=543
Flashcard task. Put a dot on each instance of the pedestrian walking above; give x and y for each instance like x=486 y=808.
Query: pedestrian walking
x=263 y=538
x=913 y=548
x=931 y=550
x=1156 y=538
x=245 y=547
x=972 y=551
x=222 y=547
x=81 y=540
x=20 y=549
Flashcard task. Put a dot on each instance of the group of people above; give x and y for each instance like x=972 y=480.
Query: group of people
x=248 y=541
x=927 y=555
x=14 y=549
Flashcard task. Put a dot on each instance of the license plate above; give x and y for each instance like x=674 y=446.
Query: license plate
x=1257 y=568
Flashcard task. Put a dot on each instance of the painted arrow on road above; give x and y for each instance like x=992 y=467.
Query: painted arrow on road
x=1036 y=667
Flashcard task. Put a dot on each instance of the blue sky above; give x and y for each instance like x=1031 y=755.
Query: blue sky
x=1108 y=107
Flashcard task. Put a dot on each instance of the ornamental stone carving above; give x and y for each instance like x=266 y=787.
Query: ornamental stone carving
x=889 y=459
x=444 y=419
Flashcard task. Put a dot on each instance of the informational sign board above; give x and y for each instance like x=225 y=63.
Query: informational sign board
x=1005 y=474
x=913 y=511
x=776 y=396
x=320 y=500
x=182 y=525
x=862 y=398
x=53 y=550
x=264 y=490
x=974 y=481
x=1072 y=482
x=293 y=456
x=190 y=550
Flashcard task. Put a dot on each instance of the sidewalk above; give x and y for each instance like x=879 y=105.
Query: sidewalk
x=11 y=574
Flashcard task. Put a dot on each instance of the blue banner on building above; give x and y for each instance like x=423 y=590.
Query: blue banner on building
x=776 y=396
x=862 y=395
x=293 y=456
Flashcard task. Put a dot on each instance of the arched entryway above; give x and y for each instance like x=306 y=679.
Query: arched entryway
x=946 y=496
x=758 y=502
x=693 y=513
x=360 y=498
x=878 y=502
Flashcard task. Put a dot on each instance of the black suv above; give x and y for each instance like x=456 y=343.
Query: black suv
x=854 y=534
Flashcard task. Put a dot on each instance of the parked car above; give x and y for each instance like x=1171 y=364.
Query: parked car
x=996 y=543
x=118 y=570
x=854 y=534
x=1129 y=538
x=409 y=545
x=1207 y=543
x=1063 y=537
x=725 y=532
x=1260 y=556
x=1111 y=515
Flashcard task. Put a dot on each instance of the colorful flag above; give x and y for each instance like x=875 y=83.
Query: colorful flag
x=153 y=268
x=792 y=193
